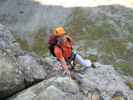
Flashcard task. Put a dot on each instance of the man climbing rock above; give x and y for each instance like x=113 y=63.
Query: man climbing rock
x=61 y=46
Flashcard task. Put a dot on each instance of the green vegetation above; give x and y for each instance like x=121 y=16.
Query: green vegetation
x=117 y=98
x=23 y=44
x=92 y=58
x=103 y=29
x=96 y=32
x=116 y=48
x=130 y=85
x=124 y=67
x=106 y=32
x=39 y=46
x=76 y=23
x=130 y=38
x=80 y=24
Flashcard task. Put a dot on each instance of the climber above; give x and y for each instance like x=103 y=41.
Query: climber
x=61 y=46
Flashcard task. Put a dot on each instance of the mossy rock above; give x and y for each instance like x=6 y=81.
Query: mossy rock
x=130 y=85
x=77 y=68
x=120 y=65
x=23 y=43
x=118 y=98
x=93 y=58
x=125 y=67
x=130 y=38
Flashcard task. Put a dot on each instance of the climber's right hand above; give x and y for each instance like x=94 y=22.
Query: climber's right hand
x=67 y=72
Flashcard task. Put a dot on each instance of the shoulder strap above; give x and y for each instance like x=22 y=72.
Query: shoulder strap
x=69 y=38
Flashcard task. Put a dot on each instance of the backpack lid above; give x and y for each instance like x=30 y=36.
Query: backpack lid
x=52 y=40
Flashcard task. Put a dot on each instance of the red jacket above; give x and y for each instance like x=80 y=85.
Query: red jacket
x=64 y=51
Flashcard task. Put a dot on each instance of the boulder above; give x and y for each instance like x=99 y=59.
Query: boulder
x=18 y=69
x=104 y=79
x=6 y=38
x=101 y=83
x=31 y=69
x=57 y=88
x=11 y=78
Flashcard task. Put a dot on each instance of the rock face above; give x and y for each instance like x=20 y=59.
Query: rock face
x=25 y=16
x=101 y=83
x=32 y=70
x=20 y=69
x=110 y=26
x=17 y=68
x=11 y=79
x=105 y=79
x=6 y=38
x=53 y=89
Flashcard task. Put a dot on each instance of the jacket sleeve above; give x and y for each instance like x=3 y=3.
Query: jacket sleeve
x=58 y=53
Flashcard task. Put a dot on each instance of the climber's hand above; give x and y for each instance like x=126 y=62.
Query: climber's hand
x=67 y=72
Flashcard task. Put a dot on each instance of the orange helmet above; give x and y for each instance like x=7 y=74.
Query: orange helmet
x=59 y=31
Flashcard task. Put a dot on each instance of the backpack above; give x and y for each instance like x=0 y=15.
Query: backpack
x=52 y=42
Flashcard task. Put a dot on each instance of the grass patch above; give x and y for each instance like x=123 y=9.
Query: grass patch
x=96 y=31
x=93 y=58
x=82 y=27
x=23 y=44
x=93 y=31
x=130 y=38
x=117 y=98
x=124 y=67
x=116 y=48
x=130 y=85
x=76 y=23
x=40 y=46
